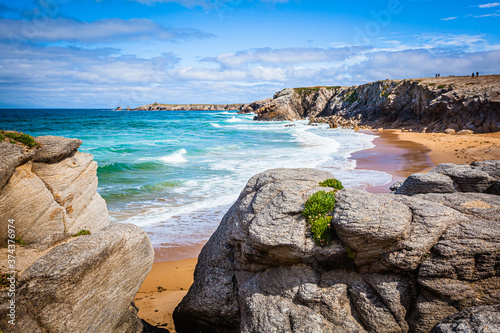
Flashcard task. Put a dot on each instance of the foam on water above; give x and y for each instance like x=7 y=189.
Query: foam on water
x=176 y=173
x=177 y=157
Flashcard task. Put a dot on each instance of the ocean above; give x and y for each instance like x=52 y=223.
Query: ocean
x=175 y=173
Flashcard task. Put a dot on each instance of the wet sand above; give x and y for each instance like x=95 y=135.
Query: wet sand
x=398 y=153
x=392 y=154
x=164 y=288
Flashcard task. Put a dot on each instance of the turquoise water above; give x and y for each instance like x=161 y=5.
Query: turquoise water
x=176 y=173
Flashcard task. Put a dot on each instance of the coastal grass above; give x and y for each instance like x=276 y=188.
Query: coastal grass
x=2 y=137
x=334 y=183
x=351 y=254
x=307 y=90
x=20 y=241
x=317 y=208
x=83 y=232
x=23 y=138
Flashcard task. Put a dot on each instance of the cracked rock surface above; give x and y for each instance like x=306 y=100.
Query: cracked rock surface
x=49 y=190
x=420 y=257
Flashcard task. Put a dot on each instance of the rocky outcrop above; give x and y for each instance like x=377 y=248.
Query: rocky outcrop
x=86 y=284
x=50 y=190
x=437 y=104
x=477 y=319
x=253 y=107
x=396 y=263
x=298 y=103
x=65 y=283
x=190 y=107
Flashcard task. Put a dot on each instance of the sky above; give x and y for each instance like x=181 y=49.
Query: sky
x=109 y=53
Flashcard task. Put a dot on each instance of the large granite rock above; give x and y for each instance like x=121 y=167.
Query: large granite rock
x=85 y=285
x=480 y=177
x=397 y=263
x=478 y=319
x=64 y=283
x=59 y=196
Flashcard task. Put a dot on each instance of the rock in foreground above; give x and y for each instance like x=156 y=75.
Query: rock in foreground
x=397 y=262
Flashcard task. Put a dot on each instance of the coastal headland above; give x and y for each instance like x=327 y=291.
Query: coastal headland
x=262 y=269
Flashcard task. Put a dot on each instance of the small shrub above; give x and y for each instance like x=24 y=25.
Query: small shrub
x=26 y=139
x=320 y=203
x=334 y=183
x=19 y=241
x=351 y=253
x=83 y=232
x=320 y=228
x=441 y=86
x=2 y=137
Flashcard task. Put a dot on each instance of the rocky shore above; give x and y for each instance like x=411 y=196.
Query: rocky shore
x=72 y=270
x=424 y=258
x=190 y=107
x=427 y=104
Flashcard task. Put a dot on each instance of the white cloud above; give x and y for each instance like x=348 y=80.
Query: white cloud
x=497 y=14
x=449 y=18
x=207 y=4
x=49 y=76
x=268 y=56
x=489 y=5
x=106 y=30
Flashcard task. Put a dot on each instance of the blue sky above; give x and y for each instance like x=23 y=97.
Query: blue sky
x=108 y=53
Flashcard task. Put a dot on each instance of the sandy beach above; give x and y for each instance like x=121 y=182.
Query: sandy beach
x=398 y=153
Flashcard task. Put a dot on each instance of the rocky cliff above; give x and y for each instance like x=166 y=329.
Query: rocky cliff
x=426 y=257
x=432 y=103
x=72 y=271
x=190 y=107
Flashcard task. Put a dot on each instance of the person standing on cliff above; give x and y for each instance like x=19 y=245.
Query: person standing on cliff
x=477 y=74
x=472 y=74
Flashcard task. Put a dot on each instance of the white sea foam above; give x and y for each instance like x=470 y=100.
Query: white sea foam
x=215 y=125
x=189 y=214
x=234 y=120
x=175 y=158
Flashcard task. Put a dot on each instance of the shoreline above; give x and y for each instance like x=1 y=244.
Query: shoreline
x=397 y=153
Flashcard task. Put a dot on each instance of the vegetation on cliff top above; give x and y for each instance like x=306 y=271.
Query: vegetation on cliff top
x=307 y=90
x=16 y=137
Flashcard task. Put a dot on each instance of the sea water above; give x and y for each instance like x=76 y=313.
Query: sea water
x=175 y=173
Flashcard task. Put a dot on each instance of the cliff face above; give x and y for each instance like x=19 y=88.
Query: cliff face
x=65 y=283
x=436 y=103
x=397 y=262
x=190 y=107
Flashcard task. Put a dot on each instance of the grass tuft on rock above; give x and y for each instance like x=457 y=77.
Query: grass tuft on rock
x=351 y=253
x=20 y=241
x=23 y=138
x=83 y=232
x=334 y=183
